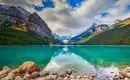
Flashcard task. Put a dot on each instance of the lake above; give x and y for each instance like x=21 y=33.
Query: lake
x=64 y=57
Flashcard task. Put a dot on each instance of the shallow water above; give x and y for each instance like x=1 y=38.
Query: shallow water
x=64 y=57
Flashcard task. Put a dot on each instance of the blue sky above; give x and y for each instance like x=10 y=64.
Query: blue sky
x=128 y=8
x=104 y=14
x=50 y=4
x=47 y=4
x=73 y=3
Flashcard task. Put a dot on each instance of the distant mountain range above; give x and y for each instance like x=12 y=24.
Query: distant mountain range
x=62 y=39
x=118 y=34
x=17 y=20
x=91 y=30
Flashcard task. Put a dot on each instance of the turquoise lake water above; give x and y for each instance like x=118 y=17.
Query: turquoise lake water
x=61 y=57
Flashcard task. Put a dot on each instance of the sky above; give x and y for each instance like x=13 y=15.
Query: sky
x=71 y=17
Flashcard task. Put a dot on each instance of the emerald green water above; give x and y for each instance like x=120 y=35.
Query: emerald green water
x=55 y=57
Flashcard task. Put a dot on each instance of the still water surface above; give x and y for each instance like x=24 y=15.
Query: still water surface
x=64 y=57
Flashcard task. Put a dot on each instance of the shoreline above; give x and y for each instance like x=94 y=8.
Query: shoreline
x=30 y=71
x=65 y=45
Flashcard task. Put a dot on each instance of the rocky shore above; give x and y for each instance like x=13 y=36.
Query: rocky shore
x=30 y=71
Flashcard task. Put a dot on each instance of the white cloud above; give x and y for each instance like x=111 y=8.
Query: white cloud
x=118 y=12
x=73 y=20
x=26 y=4
x=65 y=20
x=93 y=7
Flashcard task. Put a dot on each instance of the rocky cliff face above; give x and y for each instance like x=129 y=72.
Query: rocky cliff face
x=2 y=11
x=40 y=26
x=15 y=12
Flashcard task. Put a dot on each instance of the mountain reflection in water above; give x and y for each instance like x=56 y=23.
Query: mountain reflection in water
x=65 y=59
x=87 y=59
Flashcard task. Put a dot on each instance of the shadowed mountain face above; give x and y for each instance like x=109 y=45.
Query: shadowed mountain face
x=17 y=18
x=40 y=26
x=17 y=13
x=20 y=13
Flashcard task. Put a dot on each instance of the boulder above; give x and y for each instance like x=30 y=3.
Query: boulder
x=41 y=78
x=52 y=77
x=126 y=78
x=18 y=78
x=65 y=78
x=28 y=67
x=6 y=68
x=44 y=73
x=10 y=76
x=16 y=71
x=128 y=68
x=59 y=78
x=63 y=75
x=116 y=77
x=27 y=76
x=4 y=72
x=34 y=75
x=69 y=72
x=128 y=75
x=53 y=73
x=121 y=76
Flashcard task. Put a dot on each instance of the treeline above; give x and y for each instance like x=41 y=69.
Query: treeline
x=116 y=36
x=9 y=36
x=6 y=24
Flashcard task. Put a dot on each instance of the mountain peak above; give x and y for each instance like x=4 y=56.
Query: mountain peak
x=43 y=27
x=94 y=25
x=17 y=12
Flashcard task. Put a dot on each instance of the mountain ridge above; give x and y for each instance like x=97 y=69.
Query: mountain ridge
x=88 y=32
x=17 y=17
x=117 y=35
